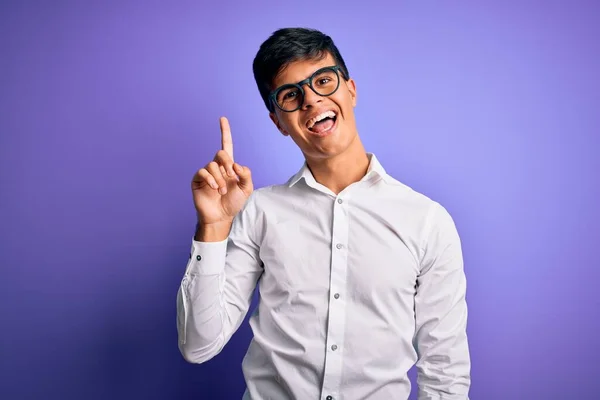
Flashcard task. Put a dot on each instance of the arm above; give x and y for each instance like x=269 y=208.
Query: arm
x=443 y=366
x=217 y=287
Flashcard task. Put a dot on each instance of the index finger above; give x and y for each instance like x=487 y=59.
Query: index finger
x=226 y=141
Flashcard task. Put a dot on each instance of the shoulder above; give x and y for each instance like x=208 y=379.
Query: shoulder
x=260 y=197
x=429 y=213
x=418 y=202
x=267 y=200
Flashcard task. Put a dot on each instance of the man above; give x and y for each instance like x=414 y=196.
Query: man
x=359 y=276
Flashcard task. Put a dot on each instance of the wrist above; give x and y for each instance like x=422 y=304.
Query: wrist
x=215 y=232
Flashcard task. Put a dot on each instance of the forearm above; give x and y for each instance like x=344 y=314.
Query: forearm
x=216 y=290
x=444 y=367
x=200 y=303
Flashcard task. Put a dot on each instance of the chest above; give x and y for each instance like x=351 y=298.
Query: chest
x=361 y=250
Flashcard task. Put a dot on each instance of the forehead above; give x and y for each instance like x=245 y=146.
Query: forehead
x=301 y=69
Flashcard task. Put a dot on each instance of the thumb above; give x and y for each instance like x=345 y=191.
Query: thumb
x=245 y=176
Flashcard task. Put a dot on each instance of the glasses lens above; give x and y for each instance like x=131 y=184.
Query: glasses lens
x=325 y=82
x=289 y=98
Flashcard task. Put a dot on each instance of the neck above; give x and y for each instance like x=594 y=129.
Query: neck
x=338 y=172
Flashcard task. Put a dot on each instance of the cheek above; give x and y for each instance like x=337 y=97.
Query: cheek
x=347 y=104
x=296 y=123
x=290 y=124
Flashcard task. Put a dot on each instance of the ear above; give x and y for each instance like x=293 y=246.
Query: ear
x=352 y=89
x=275 y=120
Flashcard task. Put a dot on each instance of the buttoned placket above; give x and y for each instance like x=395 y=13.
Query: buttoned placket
x=337 y=300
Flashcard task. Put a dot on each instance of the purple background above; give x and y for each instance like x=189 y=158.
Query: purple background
x=108 y=108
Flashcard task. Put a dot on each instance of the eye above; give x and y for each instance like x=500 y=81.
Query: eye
x=287 y=95
x=290 y=95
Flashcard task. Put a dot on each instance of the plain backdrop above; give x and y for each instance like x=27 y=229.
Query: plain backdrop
x=107 y=108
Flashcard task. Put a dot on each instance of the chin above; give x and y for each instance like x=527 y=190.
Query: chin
x=330 y=146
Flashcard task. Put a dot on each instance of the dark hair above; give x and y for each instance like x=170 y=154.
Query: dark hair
x=288 y=45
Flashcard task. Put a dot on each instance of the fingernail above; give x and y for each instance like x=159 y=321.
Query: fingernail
x=223 y=190
x=214 y=185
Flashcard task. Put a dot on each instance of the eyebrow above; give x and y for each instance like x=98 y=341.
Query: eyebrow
x=296 y=82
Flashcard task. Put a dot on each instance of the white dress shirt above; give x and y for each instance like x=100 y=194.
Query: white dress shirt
x=354 y=289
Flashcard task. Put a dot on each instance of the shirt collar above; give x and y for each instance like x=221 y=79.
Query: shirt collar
x=375 y=170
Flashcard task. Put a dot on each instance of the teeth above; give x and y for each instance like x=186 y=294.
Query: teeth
x=320 y=117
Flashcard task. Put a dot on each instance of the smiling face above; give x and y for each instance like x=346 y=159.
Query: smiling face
x=324 y=126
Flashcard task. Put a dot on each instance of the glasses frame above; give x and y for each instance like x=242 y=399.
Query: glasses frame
x=300 y=86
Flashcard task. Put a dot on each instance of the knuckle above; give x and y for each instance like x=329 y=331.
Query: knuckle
x=201 y=173
x=218 y=176
x=221 y=155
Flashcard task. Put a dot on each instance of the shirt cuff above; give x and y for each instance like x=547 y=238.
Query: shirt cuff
x=207 y=258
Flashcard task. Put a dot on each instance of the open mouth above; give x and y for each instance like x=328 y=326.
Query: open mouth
x=322 y=123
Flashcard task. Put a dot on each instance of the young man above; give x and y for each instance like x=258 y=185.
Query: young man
x=359 y=276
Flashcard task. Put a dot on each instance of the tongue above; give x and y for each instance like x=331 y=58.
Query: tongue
x=322 y=126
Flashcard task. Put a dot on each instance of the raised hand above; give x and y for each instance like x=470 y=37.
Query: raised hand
x=221 y=188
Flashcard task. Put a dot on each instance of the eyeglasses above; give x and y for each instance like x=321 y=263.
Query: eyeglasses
x=290 y=97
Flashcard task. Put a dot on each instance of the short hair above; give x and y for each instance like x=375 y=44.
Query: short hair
x=288 y=45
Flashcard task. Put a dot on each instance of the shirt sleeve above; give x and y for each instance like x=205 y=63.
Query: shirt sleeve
x=443 y=366
x=217 y=287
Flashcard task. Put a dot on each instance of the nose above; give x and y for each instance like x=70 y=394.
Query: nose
x=310 y=98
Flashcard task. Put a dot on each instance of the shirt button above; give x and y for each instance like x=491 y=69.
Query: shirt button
x=328 y=398
x=340 y=201
x=334 y=347
x=337 y=295
x=198 y=258
x=339 y=246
